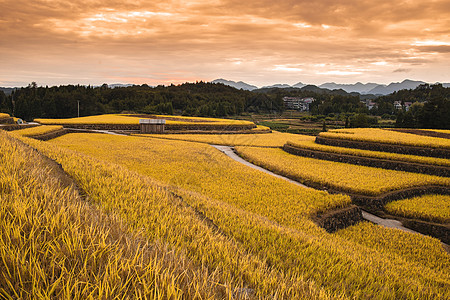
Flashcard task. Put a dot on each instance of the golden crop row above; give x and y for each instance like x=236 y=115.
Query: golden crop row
x=54 y=245
x=315 y=264
x=386 y=136
x=311 y=145
x=3 y=115
x=447 y=131
x=410 y=246
x=336 y=175
x=219 y=265
x=39 y=130
x=130 y=119
x=274 y=139
x=203 y=169
x=429 y=207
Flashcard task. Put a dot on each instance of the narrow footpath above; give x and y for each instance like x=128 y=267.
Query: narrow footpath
x=389 y=223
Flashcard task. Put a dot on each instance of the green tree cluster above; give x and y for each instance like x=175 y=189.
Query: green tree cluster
x=191 y=99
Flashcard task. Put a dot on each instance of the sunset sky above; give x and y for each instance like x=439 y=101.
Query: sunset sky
x=260 y=42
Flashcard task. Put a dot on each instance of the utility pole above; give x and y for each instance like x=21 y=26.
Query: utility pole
x=78 y=108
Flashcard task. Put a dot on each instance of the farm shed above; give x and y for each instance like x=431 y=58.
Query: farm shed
x=152 y=125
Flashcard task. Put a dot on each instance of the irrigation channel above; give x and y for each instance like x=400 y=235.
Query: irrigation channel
x=390 y=223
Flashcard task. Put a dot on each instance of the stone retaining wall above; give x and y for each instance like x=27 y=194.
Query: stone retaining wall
x=7 y=120
x=339 y=218
x=50 y=135
x=378 y=202
x=168 y=127
x=17 y=126
x=440 y=231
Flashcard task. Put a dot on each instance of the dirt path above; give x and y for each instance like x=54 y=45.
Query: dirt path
x=229 y=151
x=389 y=223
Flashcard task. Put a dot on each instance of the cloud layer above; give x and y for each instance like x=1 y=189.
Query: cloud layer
x=261 y=42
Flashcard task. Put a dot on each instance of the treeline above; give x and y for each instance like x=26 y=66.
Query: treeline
x=190 y=99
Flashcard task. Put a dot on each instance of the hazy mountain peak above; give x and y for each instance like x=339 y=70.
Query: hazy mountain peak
x=238 y=85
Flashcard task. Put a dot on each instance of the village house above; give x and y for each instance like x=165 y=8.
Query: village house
x=369 y=104
x=298 y=103
x=397 y=105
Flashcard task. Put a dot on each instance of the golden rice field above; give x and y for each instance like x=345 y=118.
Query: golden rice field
x=130 y=119
x=428 y=207
x=413 y=247
x=39 y=130
x=386 y=136
x=55 y=245
x=311 y=145
x=3 y=115
x=241 y=244
x=202 y=168
x=447 y=131
x=274 y=139
x=336 y=175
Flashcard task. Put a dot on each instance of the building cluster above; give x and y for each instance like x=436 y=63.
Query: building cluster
x=298 y=103
x=369 y=104
x=405 y=105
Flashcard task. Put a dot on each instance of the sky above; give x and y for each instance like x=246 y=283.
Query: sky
x=260 y=42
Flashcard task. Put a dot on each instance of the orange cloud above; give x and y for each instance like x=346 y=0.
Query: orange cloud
x=260 y=41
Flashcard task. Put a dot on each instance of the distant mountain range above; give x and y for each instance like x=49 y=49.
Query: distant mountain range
x=361 y=88
x=369 y=89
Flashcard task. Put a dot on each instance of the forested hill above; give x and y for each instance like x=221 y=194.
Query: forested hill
x=201 y=99
x=431 y=108
x=192 y=99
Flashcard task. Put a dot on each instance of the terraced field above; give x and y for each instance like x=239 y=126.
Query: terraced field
x=311 y=145
x=39 y=130
x=237 y=233
x=339 y=176
x=428 y=207
x=134 y=119
x=386 y=136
